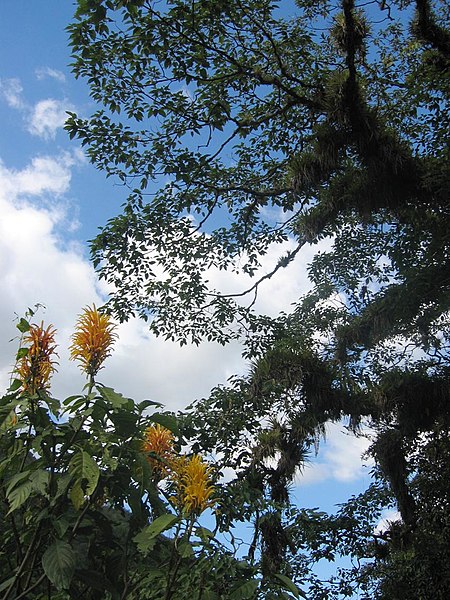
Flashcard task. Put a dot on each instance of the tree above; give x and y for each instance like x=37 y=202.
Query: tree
x=238 y=127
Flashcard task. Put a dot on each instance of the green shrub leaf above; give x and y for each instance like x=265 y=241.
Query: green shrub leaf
x=19 y=495
x=167 y=421
x=145 y=540
x=114 y=398
x=245 y=591
x=289 y=585
x=58 y=562
x=84 y=467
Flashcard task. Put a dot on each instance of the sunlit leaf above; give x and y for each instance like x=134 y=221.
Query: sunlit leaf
x=146 y=538
x=85 y=469
x=114 y=398
x=23 y=326
x=19 y=495
x=185 y=550
x=77 y=495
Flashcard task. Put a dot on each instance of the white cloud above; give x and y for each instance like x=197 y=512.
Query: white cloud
x=44 y=175
x=37 y=265
x=47 y=116
x=339 y=458
x=42 y=119
x=145 y=367
x=45 y=72
x=388 y=517
x=33 y=265
x=279 y=292
x=11 y=91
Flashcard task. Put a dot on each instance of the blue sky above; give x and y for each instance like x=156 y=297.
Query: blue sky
x=52 y=201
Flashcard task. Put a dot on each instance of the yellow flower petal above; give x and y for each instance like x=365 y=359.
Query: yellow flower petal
x=92 y=340
x=192 y=478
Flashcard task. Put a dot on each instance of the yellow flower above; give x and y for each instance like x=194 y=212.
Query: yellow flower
x=37 y=366
x=159 y=441
x=92 y=340
x=192 y=478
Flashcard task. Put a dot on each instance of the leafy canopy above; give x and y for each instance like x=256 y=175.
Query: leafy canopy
x=241 y=129
x=240 y=126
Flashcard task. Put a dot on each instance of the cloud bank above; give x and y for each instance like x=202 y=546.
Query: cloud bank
x=40 y=265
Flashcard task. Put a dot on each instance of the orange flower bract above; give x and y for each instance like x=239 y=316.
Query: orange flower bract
x=92 y=340
x=37 y=366
x=189 y=477
x=159 y=442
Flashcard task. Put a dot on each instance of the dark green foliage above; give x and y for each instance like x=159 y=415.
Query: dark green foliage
x=230 y=111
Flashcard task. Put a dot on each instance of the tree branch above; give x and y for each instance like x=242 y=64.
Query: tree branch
x=428 y=29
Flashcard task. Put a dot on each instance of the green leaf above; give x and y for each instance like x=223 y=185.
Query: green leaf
x=209 y=595
x=5 y=584
x=84 y=467
x=289 y=585
x=52 y=403
x=204 y=534
x=8 y=418
x=71 y=399
x=23 y=326
x=245 y=591
x=167 y=421
x=15 y=385
x=21 y=352
x=77 y=495
x=58 y=562
x=61 y=525
x=19 y=495
x=146 y=403
x=142 y=472
x=15 y=479
x=124 y=422
x=62 y=484
x=114 y=398
x=39 y=480
x=185 y=550
x=145 y=539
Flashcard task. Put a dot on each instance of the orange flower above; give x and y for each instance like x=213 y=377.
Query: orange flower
x=192 y=478
x=92 y=340
x=159 y=442
x=37 y=366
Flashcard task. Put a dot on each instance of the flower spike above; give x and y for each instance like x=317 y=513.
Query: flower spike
x=158 y=443
x=92 y=340
x=192 y=478
x=37 y=366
